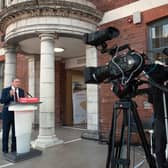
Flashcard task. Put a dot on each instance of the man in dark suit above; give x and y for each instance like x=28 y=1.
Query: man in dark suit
x=9 y=95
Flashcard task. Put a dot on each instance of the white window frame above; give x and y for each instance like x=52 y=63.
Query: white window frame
x=153 y=52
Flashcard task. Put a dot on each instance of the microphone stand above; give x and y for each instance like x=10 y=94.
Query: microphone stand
x=166 y=121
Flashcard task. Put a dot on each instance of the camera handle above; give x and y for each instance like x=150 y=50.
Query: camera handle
x=112 y=51
x=114 y=160
x=166 y=119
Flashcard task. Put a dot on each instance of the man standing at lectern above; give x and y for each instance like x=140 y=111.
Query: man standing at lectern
x=9 y=95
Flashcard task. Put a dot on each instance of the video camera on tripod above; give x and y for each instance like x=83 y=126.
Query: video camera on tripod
x=123 y=71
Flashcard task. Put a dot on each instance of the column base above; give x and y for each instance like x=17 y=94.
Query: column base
x=91 y=135
x=46 y=142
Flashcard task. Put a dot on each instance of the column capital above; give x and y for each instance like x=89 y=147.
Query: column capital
x=10 y=48
x=48 y=35
x=30 y=58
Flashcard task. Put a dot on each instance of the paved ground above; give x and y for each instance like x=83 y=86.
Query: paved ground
x=74 y=153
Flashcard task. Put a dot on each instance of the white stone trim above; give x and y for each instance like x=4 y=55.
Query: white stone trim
x=83 y=2
x=127 y=10
x=92 y=92
x=48 y=24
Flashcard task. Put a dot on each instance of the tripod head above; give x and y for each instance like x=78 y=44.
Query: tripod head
x=129 y=90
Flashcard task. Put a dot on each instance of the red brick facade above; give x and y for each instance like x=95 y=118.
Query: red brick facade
x=22 y=70
x=59 y=92
x=106 y=5
x=136 y=36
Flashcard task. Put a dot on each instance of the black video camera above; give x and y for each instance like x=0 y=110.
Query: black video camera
x=122 y=69
x=126 y=65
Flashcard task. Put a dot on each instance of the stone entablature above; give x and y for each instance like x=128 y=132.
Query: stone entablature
x=29 y=9
x=84 y=2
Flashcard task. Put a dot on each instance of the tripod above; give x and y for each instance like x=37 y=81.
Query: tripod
x=114 y=159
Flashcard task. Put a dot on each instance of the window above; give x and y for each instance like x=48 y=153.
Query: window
x=158 y=40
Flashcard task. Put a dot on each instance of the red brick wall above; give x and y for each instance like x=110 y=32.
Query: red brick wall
x=22 y=70
x=155 y=13
x=2 y=58
x=105 y=5
x=59 y=92
x=136 y=36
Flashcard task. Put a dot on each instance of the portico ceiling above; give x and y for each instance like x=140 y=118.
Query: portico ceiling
x=73 y=47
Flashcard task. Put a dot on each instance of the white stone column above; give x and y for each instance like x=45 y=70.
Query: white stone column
x=92 y=97
x=47 y=136
x=10 y=67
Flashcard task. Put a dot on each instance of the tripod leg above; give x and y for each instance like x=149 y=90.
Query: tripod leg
x=124 y=146
x=121 y=142
x=145 y=145
x=128 y=136
x=111 y=140
x=122 y=152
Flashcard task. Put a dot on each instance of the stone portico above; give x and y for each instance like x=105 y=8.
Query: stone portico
x=45 y=24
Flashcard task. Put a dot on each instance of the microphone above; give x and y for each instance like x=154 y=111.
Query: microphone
x=29 y=94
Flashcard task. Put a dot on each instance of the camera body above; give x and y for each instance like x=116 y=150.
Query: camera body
x=120 y=70
x=123 y=68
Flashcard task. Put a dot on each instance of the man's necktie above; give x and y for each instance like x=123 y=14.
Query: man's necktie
x=16 y=96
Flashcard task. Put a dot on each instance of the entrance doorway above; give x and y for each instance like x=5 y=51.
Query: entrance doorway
x=75 y=110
